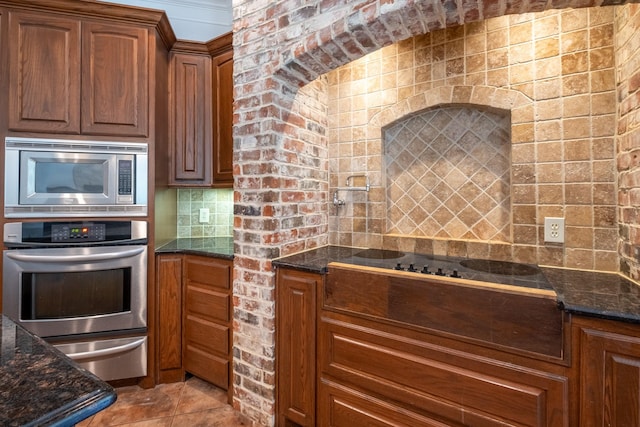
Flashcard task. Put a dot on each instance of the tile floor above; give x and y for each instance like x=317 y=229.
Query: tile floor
x=194 y=403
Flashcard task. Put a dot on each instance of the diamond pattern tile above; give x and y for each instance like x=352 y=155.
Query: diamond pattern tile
x=447 y=174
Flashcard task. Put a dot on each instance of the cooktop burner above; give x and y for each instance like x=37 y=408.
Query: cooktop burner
x=490 y=271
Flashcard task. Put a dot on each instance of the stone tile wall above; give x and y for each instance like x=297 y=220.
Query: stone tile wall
x=220 y=205
x=562 y=150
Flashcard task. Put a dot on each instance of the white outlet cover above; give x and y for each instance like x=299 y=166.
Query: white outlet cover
x=554 y=230
x=204 y=215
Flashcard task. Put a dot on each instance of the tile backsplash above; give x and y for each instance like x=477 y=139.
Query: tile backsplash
x=448 y=174
x=220 y=205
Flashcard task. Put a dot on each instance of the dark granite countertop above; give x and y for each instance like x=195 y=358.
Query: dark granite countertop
x=41 y=386
x=219 y=247
x=596 y=294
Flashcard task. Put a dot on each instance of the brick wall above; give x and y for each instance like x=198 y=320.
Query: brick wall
x=628 y=58
x=281 y=142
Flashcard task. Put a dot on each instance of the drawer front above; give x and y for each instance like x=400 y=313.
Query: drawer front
x=450 y=385
x=207 y=335
x=206 y=366
x=207 y=304
x=344 y=407
x=208 y=271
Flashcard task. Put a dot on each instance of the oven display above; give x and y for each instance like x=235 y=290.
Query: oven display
x=64 y=233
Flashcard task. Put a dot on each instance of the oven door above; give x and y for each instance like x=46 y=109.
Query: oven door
x=58 y=292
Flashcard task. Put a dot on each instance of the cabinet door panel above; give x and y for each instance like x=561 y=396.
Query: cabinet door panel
x=610 y=379
x=296 y=309
x=223 y=119
x=115 y=82
x=169 y=274
x=44 y=65
x=192 y=118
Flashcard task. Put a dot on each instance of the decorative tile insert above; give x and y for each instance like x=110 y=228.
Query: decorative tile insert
x=448 y=174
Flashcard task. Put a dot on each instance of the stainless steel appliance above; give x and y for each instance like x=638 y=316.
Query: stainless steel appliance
x=68 y=178
x=83 y=287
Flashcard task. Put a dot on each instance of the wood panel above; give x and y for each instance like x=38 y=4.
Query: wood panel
x=191 y=106
x=223 y=119
x=207 y=319
x=169 y=279
x=115 y=80
x=516 y=320
x=453 y=386
x=610 y=374
x=44 y=70
x=296 y=346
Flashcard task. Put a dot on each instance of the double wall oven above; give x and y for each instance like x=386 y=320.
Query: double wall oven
x=81 y=285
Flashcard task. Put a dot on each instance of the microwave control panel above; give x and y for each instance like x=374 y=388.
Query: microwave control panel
x=125 y=177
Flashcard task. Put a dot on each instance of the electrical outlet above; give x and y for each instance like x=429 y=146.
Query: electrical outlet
x=554 y=230
x=204 y=216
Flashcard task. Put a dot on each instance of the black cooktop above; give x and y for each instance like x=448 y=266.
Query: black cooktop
x=491 y=271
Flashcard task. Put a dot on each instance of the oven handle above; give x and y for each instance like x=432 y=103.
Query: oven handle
x=106 y=351
x=22 y=256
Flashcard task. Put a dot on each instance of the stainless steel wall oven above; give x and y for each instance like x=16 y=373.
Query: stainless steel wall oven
x=83 y=287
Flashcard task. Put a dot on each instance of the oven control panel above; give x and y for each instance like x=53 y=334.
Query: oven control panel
x=74 y=233
x=65 y=233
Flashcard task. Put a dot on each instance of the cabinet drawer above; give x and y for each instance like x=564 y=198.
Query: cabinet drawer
x=207 y=304
x=442 y=383
x=206 y=335
x=206 y=366
x=208 y=271
x=341 y=406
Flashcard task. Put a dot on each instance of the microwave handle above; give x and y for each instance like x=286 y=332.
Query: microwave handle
x=22 y=256
x=106 y=351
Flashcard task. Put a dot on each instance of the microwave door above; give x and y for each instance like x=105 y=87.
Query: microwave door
x=67 y=178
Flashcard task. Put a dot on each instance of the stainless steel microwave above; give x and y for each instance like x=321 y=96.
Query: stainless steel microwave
x=71 y=178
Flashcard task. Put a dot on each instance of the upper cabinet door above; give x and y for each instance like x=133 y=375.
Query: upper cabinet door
x=44 y=65
x=223 y=119
x=115 y=81
x=191 y=107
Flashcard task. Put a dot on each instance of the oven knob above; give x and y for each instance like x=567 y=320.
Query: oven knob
x=411 y=268
x=398 y=267
x=425 y=270
x=456 y=275
x=440 y=272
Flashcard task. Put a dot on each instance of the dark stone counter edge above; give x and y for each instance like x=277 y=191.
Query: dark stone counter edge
x=200 y=246
x=318 y=265
x=79 y=410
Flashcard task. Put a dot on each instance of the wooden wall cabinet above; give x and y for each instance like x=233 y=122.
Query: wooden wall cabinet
x=192 y=148
x=296 y=347
x=222 y=66
x=194 y=318
x=202 y=114
x=77 y=77
x=609 y=373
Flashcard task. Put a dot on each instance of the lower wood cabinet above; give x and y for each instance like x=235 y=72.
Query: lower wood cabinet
x=296 y=346
x=337 y=367
x=609 y=373
x=194 y=303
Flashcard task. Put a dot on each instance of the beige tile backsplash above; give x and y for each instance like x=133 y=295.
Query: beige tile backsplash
x=544 y=84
